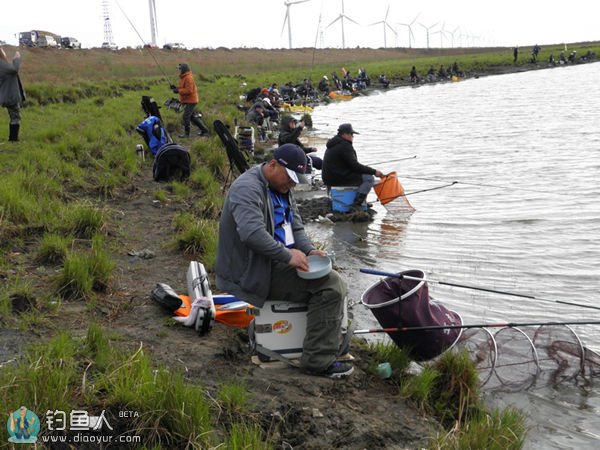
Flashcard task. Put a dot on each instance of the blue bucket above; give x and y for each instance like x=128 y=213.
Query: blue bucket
x=342 y=198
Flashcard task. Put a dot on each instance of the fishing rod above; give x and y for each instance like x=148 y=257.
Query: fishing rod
x=476 y=288
x=468 y=326
x=474 y=184
x=394 y=160
x=144 y=45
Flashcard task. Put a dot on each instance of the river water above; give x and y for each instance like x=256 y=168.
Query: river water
x=524 y=216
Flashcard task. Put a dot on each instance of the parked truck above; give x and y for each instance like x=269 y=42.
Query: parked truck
x=38 y=38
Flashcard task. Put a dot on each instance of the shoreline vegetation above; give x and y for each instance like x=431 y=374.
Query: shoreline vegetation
x=79 y=330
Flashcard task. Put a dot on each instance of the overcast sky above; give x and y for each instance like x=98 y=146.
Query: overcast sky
x=258 y=23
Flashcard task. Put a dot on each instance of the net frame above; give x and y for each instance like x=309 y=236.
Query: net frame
x=561 y=354
x=483 y=350
x=521 y=370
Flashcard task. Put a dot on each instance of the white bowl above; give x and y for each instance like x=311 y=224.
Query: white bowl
x=318 y=267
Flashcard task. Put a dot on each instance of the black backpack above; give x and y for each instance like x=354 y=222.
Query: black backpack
x=172 y=161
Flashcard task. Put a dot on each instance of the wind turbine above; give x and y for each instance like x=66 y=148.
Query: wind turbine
x=427 y=31
x=153 y=22
x=385 y=25
x=451 y=33
x=341 y=18
x=410 y=32
x=287 y=19
x=442 y=33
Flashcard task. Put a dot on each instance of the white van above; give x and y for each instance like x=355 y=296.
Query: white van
x=47 y=41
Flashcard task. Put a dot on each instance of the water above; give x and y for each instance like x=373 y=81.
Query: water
x=524 y=217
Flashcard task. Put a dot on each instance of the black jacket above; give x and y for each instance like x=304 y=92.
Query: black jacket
x=291 y=136
x=340 y=164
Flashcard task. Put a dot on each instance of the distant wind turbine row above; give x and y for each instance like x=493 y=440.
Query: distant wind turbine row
x=342 y=17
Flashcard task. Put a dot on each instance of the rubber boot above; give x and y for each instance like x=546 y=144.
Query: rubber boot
x=358 y=201
x=186 y=133
x=204 y=131
x=13 y=135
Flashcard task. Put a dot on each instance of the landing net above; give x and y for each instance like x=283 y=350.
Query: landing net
x=515 y=359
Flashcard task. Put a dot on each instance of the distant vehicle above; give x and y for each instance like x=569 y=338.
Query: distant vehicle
x=33 y=38
x=174 y=46
x=70 y=42
x=47 y=41
x=109 y=46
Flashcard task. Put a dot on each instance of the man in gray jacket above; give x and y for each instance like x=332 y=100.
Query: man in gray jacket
x=261 y=244
x=11 y=92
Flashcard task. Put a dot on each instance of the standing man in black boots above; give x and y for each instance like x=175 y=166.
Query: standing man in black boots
x=188 y=96
x=11 y=92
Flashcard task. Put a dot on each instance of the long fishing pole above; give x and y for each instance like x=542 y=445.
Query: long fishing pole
x=394 y=160
x=144 y=45
x=468 y=326
x=498 y=186
x=476 y=288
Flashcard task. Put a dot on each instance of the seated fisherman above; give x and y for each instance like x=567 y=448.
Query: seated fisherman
x=324 y=85
x=261 y=244
x=341 y=166
x=256 y=113
x=383 y=80
x=289 y=133
x=414 y=76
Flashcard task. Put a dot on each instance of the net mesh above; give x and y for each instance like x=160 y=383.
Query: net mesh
x=515 y=359
x=481 y=347
x=400 y=206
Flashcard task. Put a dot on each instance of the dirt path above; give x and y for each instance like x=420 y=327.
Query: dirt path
x=310 y=412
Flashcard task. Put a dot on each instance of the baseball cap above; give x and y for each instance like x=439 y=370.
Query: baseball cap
x=346 y=128
x=293 y=159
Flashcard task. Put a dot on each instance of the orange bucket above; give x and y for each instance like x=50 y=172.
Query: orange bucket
x=389 y=188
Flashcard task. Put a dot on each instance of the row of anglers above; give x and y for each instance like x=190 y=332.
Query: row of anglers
x=306 y=91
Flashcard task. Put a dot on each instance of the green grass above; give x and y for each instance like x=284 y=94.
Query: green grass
x=53 y=248
x=496 y=430
x=199 y=237
x=68 y=373
x=448 y=389
x=391 y=353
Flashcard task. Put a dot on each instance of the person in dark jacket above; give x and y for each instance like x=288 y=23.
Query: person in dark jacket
x=289 y=133
x=188 y=97
x=11 y=92
x=341 y=166
x=256 y=113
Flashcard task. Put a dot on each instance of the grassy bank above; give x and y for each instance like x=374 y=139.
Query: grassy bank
x=66 y=188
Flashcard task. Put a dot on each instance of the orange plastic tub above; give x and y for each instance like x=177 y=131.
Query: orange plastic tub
x=389 y=188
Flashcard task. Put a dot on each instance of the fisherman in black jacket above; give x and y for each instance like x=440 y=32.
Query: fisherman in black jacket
x=341 y=166
x=289 y=133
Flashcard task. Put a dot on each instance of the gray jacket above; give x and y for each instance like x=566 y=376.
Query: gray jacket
x=11 y=91
x=246 y=239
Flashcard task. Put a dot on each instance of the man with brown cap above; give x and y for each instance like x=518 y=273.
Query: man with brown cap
x=261 y=244
x=341 y=166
